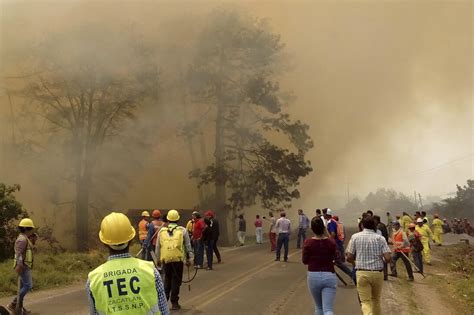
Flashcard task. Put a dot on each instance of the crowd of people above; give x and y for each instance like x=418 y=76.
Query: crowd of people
x=167 y=247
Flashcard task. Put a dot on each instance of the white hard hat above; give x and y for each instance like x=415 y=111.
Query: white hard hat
x=419 y=220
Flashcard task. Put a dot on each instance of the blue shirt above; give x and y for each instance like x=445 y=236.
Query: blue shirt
x=332 y=228
x=162 y=302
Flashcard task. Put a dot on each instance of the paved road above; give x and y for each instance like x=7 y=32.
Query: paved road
x=248 y=281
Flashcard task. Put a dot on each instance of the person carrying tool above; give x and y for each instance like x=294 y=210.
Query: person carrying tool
x=143 y=231
x=437 y=226
x=23 y=263
x=124 y=284
x=173 y=249
x=426 y=235
x=416 y=246
x=401 y=249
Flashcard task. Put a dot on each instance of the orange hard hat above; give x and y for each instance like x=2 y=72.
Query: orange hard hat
x=156 y=214
x=411 y=225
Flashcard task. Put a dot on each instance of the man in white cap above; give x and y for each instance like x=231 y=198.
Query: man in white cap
x=426 y=235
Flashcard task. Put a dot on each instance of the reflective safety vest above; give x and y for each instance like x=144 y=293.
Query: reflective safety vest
x=157 y=224
x=425 y=232
x=340 y=231
x=28 y=257
x=437 y=225
x=142 y=229
x=124 y=286
x=401 y=244
x=172 y=244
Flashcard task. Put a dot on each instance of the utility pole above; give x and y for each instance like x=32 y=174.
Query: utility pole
x=416 y=201
x=421 y=203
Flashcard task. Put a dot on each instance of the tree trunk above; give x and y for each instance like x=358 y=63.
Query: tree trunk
x=82 y=213
x=220 y=196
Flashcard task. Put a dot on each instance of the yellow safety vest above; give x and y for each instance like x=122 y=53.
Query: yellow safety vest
x=124 y=286
x=425 y=232
x=437 y=225
x=171 y=244
x=28 y=259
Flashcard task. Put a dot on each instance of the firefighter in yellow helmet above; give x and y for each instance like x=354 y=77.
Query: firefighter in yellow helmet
x=426 y=235
x=23 y=263
x=143 y=233
x=437 y=226
x=173 y=249
x=124 y=284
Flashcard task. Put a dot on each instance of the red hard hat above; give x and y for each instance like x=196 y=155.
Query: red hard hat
x=156 y=213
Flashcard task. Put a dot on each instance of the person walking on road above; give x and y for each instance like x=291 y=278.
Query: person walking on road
x=23 y=263
x=303 y=224
x=124 y=284
x=384 y=231
x=198 y=244
x=272 y=231
x=319 y=252
x=143 y=232
x=258 y=229
x=404 y=221
x=283 y=227
x=368 y=250
x=208 y=240
x=173 y=249
x=215 y=233
x=416 y=246
x=389 y=224
x=426 y=235
x=401 y=249
x=437 y=230
x=242 y=230
x=334 y=232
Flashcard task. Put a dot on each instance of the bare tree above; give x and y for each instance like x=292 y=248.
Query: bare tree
x=87 y=85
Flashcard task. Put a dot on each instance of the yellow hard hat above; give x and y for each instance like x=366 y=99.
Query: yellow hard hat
x=116 y=229
x=145 y=214
x=173 y=215
x=26 y=223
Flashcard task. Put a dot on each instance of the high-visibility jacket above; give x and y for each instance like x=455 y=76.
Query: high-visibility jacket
x=400 y=241
x=437 y=225
x=142 y=229
x=28 y=255
x=124 y=286
x=190 y=227
x=157 y=225
x=172 y=244
x=405 y=221
x=425 y=232
x=340 y=231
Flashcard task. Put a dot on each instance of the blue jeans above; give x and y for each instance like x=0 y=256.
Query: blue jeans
x=283 y=239
x=199 y=252
x=301 y=235
x=25 y=285
x=322 y=286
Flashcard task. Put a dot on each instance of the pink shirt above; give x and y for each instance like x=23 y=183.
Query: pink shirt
x=258 y=223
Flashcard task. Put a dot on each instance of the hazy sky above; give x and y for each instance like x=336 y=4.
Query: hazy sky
x=386 y=87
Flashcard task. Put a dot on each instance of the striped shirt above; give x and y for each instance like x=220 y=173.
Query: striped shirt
x=162 y=302
x=368 y=248
x=283 y=225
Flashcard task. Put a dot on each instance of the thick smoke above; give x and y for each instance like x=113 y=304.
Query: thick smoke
x=386 y=88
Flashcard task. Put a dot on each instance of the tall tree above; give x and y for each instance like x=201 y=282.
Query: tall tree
x=461 y=205
x=10 y=209
x=87 y=84
x=259 y=151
